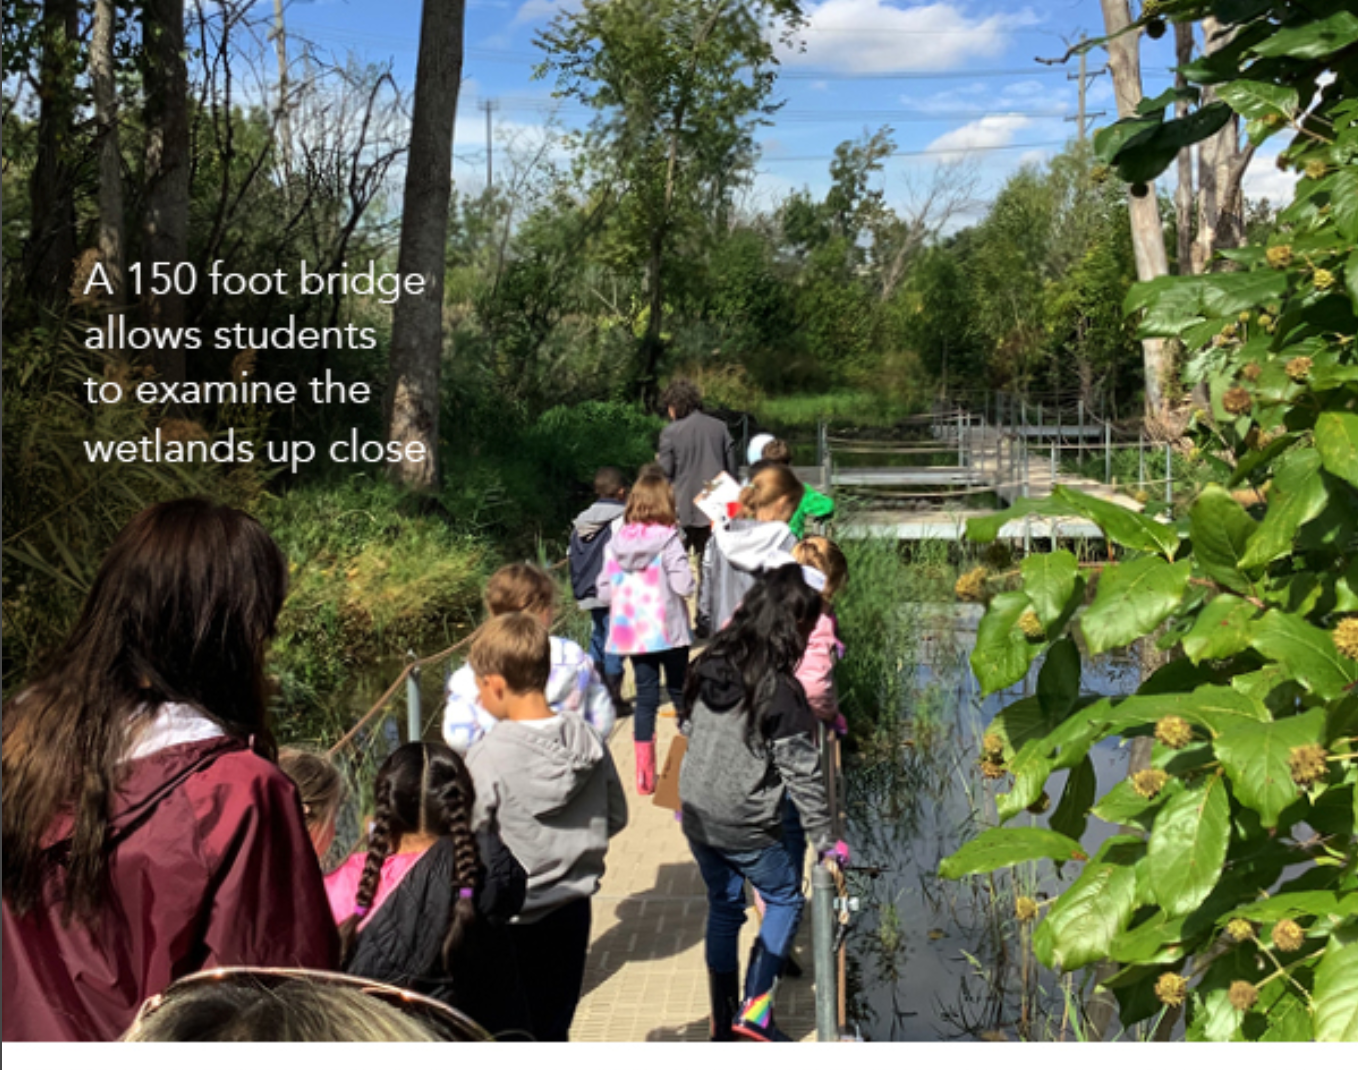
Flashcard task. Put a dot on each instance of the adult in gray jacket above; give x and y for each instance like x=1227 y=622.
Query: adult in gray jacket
x=694 y=448
x=751 y=745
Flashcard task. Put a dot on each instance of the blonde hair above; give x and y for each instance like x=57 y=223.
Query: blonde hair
x=774 y=485
x=240 y=1007
x=319 y=783
x=515 y=646
x=821 y=554
x=651 y=502
x=520 y=588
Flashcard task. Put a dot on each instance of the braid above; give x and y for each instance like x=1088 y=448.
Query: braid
x=379 y=848
x=455 y=818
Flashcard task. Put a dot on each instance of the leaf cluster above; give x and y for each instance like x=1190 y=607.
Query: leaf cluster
x=1236 y=868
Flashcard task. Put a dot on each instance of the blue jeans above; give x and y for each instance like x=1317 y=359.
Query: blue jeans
x=646 y=668
x=607 y=664
x=794 y=836
x=773 y=875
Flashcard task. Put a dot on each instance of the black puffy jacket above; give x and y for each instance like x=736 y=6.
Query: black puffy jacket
x=403 y=943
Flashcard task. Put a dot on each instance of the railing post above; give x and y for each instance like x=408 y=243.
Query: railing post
x=1107 y=454
x=1141 y=460
x=961 y=463
x=823 y=943
x=1169 y=478
x=744 y=441
x=414 y=717
x=1080 y=446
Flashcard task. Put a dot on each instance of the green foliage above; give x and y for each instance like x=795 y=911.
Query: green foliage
x=371 y=577
x=1237 y=872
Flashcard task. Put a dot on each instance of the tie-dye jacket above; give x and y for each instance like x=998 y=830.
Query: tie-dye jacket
x=645 y=579
x=573 y=687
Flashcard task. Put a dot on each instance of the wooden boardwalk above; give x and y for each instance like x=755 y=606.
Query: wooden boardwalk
x=646 y=978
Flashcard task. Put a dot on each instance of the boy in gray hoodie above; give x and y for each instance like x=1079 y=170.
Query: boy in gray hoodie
x=591 y=532
x=548 y=784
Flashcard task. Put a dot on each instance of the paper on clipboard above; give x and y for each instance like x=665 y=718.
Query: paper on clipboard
x=718 y=497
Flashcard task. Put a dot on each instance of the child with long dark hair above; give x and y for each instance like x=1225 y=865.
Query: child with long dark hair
x=645 y=579
x=148 y=833
x=425 y=905
x=751 y=745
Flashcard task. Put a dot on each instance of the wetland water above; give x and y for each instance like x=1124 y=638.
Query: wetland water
x=932 y=959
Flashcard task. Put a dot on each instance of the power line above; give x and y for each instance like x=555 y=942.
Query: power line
x=961 y=150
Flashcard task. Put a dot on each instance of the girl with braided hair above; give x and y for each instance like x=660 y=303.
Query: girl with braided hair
x=424 y=907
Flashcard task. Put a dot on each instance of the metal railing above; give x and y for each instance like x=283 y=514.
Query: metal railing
x=830 y=908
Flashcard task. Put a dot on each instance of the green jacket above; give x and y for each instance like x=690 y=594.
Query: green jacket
x=813 y=503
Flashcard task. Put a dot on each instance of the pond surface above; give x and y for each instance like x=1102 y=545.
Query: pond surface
x=931 y=959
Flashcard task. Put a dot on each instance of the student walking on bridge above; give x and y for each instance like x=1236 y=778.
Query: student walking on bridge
x=751 y=746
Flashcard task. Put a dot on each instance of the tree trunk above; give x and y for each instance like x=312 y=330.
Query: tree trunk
x=51 y=248
x=412 y=401
x=165 y=220
x=1183 y=192
x=111 y=240
x=1221 y=170
x=1148 y=234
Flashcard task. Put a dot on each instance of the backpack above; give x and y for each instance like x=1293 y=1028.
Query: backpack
x=586 y=558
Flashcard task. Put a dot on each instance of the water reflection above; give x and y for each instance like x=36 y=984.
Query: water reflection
x=933 y=959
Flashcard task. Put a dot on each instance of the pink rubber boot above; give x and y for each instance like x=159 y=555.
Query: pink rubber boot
x=645 y=767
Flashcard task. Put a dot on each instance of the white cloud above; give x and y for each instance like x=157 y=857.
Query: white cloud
x=541 y=10
x=1022 y=96
x=1263 y=181
x=992 y=131
x=878 y=36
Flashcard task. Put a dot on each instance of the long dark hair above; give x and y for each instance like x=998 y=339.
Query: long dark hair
x=421 y=788
x=765 y=639
x=181 y=610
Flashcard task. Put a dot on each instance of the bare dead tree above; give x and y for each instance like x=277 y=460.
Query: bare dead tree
x=930 y=207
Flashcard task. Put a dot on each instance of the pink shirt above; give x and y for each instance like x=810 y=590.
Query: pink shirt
x=816 y=670
x=342 y=885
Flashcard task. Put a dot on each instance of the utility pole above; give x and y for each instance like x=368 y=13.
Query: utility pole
x=284 y=126
x=488 y=106
x=1085 y=78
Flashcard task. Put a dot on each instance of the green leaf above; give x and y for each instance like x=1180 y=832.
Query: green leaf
x=1306 y=651
x=1295 y=905
x=1254 y=755
x=1123 y=526
x=1314 y=40
x=1188 y=846
x=987 y=528
x=1071 y=813
x=1298 y=496
x=1239 y=291
x=1123 y=806
x=1344 y=200
x=1134 y=599
x=1222 y=629
x=1157 y=940
x=1030 y=768
x=1210 y=706
x=1081 y=925
x=1337 y=441
x=1336 y=993
x=1058 y=681
x=999 y=847
x=1049 y=581
x=1220 y=529
x=1002 y=653
x=1257 y=100
x=1143 y=156
x=1020 y=722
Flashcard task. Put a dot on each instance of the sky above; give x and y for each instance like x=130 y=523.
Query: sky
x=948 y=77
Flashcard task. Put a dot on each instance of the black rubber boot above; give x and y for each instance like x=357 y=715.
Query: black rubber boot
x=724 y=992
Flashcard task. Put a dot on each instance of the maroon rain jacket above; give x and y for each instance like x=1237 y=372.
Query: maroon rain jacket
x=209 y=865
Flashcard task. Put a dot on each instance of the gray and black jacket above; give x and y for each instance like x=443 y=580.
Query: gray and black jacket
x=732 y=788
